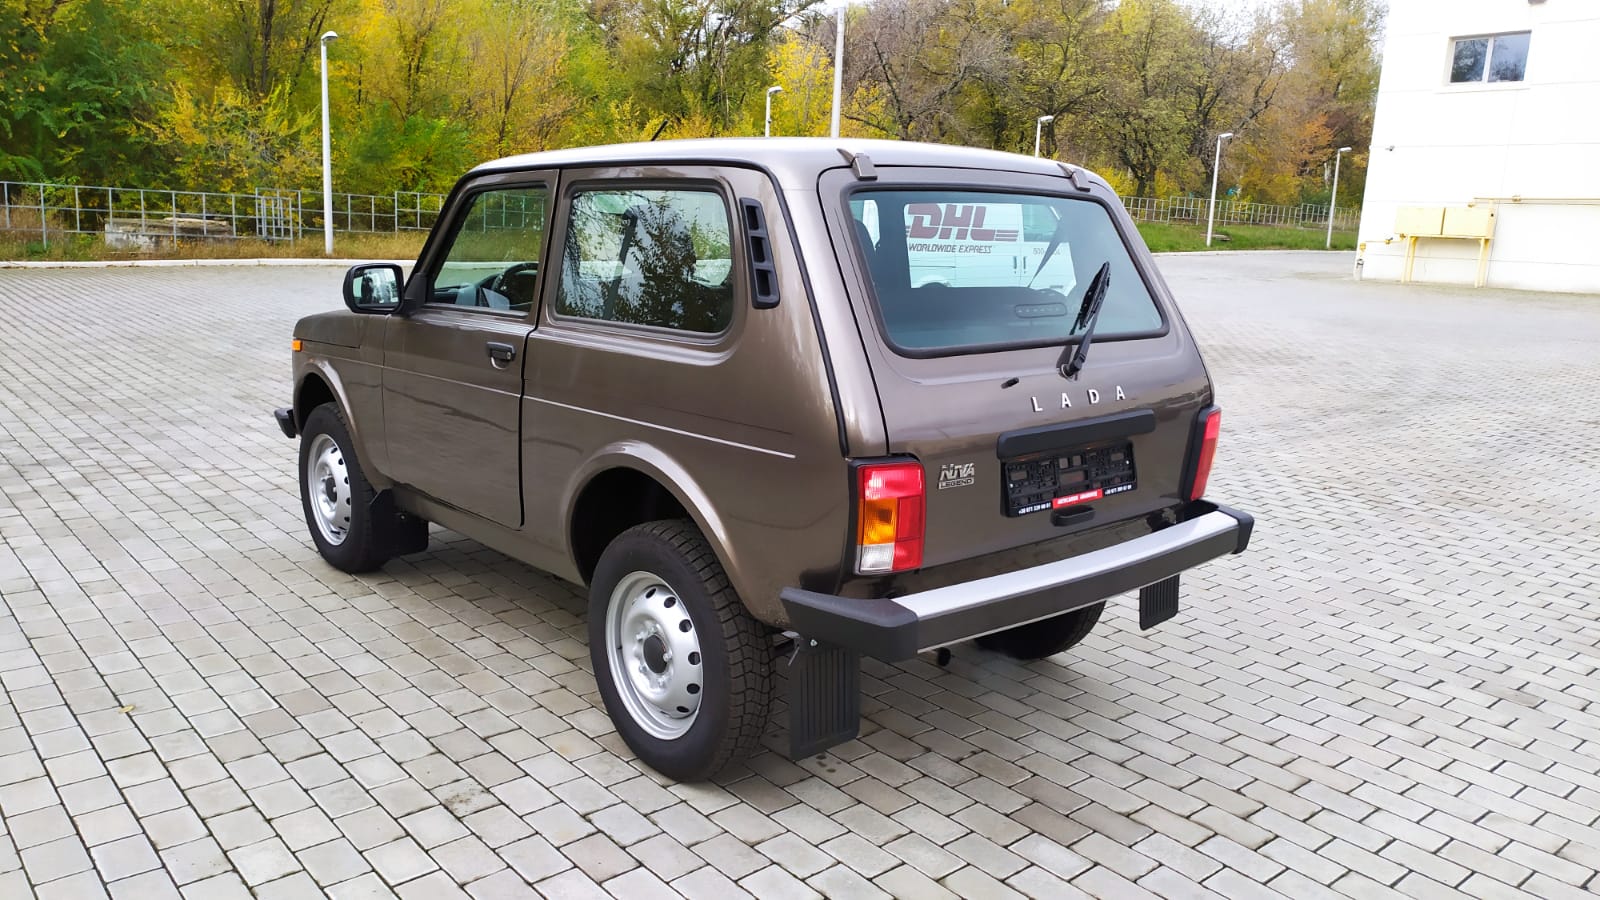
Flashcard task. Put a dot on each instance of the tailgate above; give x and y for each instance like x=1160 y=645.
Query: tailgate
x=1045 y=457
x=965 y=310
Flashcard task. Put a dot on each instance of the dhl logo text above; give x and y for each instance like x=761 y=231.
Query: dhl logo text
x=955 y=221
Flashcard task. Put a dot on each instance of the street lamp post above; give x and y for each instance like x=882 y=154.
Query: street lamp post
x=1038 y=129
x=1216 y=167
x=1333 y=202
x=838 y=68
x=327 y=155
x=775 y=89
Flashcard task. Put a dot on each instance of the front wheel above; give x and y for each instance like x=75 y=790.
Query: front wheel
x=684 y=669
x=1046 y=637
x=351 y=531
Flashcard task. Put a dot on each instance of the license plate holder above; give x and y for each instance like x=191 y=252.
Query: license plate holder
x=1064 y=478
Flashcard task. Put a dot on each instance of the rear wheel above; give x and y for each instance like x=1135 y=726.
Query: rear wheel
x=684 y=669
x=1046 y=637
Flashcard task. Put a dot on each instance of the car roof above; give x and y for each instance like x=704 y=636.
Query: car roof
x=795 y=161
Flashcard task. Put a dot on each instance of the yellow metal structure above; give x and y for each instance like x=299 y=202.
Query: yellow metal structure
x=1466 y=223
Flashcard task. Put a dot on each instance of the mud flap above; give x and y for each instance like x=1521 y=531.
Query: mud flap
x=1158 y=602
x=401 y=532
x=824 y=697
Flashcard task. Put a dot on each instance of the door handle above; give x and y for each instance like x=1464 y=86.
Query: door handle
x=501 y=355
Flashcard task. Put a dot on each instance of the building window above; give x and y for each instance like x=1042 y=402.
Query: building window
x=1499 y=57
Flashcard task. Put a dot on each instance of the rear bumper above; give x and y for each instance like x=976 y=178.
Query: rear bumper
x=900 y=628
x=285 y=417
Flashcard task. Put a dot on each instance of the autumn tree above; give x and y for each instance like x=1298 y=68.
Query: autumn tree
x=78 y=78
x=804 y=69
x=1153 y=64
x=224 y=93
x=1333 y=72
x=257 y=45
x=227 y=140
x=907 y=62
x=1052 y=64
x=1242 y=67
x=693 y=60
x=518 y=65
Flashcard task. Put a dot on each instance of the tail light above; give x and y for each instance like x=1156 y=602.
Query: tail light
x=1208 y=428
x=890 y=517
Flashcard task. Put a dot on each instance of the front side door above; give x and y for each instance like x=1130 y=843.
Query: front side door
x=453 y=369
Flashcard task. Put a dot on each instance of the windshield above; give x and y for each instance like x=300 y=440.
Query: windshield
x=974 y=270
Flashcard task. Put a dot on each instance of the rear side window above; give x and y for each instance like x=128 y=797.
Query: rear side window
x=658 y=258
x=957 y=271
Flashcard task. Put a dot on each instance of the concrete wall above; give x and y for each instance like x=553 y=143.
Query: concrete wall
x=1441 y=144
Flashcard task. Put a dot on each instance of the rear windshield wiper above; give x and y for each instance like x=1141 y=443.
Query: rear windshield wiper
x=1071 y=361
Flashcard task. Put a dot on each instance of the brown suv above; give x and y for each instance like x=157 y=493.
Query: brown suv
x=778 y=403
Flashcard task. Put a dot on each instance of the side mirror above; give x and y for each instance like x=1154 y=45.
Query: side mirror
x=373 y=288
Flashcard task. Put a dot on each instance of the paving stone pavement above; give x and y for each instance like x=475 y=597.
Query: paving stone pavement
x=1394 y=693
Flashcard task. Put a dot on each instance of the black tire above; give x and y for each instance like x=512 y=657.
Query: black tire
x=1046 y=637
x=373 y=533
x=736 y=651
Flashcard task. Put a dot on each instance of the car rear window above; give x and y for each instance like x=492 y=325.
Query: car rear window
x=970 y=271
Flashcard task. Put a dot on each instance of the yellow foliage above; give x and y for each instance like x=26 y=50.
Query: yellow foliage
x=1281 y=155
x=805 y=73
x=695 y=124
x=408 y=53
x=516 y=73
x=231 y=142
x=864 y=110
x=1118 y=178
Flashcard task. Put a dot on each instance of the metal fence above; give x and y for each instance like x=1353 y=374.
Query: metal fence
x=139 y=216
x=135 y=217
x=1191 y=210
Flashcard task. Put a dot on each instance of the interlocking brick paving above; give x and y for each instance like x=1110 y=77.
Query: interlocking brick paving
x=1393 y=693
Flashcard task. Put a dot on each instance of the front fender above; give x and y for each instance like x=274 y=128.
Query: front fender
x=356 y=392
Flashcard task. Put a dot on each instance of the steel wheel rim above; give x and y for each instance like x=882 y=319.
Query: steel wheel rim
x=654 y=651
x=328 y=489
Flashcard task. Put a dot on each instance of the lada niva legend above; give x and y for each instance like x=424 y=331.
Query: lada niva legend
x=778 y=404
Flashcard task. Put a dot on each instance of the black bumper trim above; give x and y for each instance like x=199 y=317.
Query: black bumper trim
x=897 y=629
x=1247 y=522
x=285 y=417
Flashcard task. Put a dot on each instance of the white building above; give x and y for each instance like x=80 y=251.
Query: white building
x=1489 y=108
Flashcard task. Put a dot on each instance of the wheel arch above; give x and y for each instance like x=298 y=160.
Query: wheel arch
x=628 y=484
x=313 y=391
x=318 y=383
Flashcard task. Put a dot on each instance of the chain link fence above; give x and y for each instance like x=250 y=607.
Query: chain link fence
x=141 y=218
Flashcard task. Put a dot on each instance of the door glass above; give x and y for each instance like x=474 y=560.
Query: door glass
x=493 y=261
x=660 y=258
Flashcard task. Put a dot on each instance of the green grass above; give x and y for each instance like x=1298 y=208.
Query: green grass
x=1163 y=237
x=89 y=247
